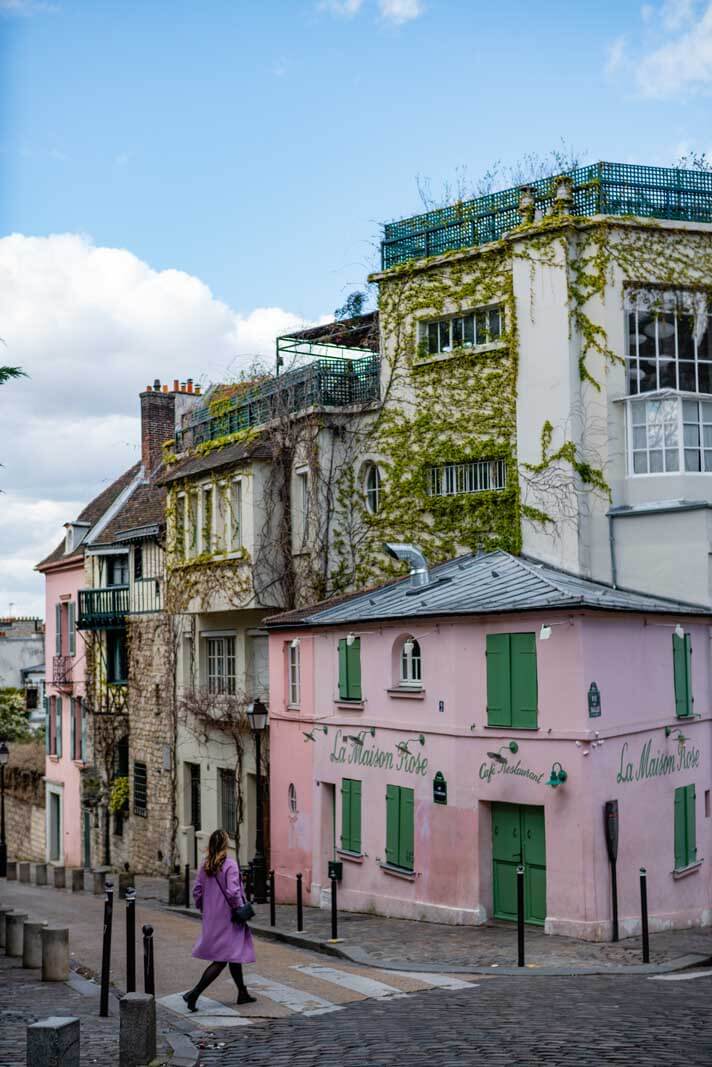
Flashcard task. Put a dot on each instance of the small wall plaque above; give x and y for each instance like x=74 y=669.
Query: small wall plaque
x=439 y=789
x=594 y=701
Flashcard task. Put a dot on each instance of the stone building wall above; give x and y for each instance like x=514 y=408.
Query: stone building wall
x=25 y=802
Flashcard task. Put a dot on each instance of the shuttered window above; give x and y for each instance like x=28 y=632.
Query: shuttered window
x=351 y=815
x=72 y=626
x=58 y=727
x=58 y=629
x=682 y=672
x=400 y=805
x=350 y=669
x=512 y=690
x=685 y=828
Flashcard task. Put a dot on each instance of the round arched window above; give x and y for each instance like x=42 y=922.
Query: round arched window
x=372 y=487
x=292 y=798
x=411 y=672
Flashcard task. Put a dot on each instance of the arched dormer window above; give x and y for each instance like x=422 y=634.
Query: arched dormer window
x=411 y=664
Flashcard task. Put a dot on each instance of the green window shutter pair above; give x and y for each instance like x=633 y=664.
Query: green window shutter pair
x=682 y=671
x=83 y=750
x=351 y=815
x=72 y=626
x=58 y=727
x=512 y=689
x=58 y=629
x=685 y=827
x=400 y=811
x=72 y=730
x=45 y=701
x=350 y=669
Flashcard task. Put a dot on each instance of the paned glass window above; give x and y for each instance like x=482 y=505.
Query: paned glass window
x=463 y=331
x=476 y=476
x=221 y=665
x=294 y=675
x=228 y=801
x=236 y=539
x=670 y=434
x=411 y=668
x=670 y=347
x=372 y=486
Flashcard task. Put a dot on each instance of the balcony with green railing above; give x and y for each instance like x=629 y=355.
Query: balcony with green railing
x=103 y=609
x=598 y=189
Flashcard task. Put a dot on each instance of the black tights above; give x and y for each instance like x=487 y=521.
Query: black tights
x=213 y=971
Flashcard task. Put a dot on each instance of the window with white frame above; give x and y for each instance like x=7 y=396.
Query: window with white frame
x=207 y=520
x=179 y=532
x=372 y=488
x=669 y=341
x=411 y=664
x=302 y=504
x=294 y=674
x=236 y=536
x=668 y=434
x=221 y=665
x=473 y=476
x=192 y=524
x=477 y=328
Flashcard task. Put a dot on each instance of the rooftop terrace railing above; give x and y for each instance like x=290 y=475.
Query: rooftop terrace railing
x=327 y=382
x=598 y=189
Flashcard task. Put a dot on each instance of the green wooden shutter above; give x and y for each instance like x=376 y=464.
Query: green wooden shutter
x=691 y=826
x=72 y=730
x=58 y=629
x=58 y=746
x=346 y=813
x=681 y=657
x=72 y=629
x=680 y=828
x=83 y=752
x=392 y=824
x=524 y=681
x=355 y=822
x=343 y=672
x=45 y=701
x=406 y=828
x=353 y=669
x=499 y=700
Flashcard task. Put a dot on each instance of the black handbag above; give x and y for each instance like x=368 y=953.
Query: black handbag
x=240 y=914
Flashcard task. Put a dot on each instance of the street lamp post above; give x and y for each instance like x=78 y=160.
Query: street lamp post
x=257 y=714
x=4 y=757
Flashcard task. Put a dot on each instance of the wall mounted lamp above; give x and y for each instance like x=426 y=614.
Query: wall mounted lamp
x=547 y=627
x=295 y=642
x=681 y=739
x=309 y=735
x=498 y=757
x=558 y=776
x=357 y=739
x=402 y=746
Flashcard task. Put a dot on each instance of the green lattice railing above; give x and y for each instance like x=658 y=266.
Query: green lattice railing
x=598 y=189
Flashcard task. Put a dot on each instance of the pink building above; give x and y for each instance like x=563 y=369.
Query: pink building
x=432 y=735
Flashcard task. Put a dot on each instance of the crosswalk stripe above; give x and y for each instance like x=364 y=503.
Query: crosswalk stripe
x=439 y=981
x=296 y=1000
x=368 y=987
x=210 y=1012
x=688 y=976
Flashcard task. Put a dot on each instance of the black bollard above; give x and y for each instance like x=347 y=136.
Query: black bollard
x=520 y=916
x=106 y=949
x=644 y=913
x=187 y=885
x=130 y=940
x=272 y=901
x=300 y=906
x=334 y=927
x=149 y=984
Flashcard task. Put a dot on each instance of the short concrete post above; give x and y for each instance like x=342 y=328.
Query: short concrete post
x=14 y=921
x=126 y=881
x=137 y=1029
x=98 y=879
x=176 y=891
x=11 y=871
x=23 y=870
x=55 y=953
x=32 y=943
x=77 y=879
x=60 y=878
x=40 y=874
x=5 y=910
x=53 y=1042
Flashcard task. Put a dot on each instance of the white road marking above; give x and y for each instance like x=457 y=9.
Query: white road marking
x=296 y=1000
x=440 y=981
x=368 y=987
x=685 y=977
x=210 y=1012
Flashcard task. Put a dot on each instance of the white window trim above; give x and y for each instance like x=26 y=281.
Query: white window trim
x=404 y=681
x=423 y=323
x=236 y=489
x=294 y=676
x=660 y=394
x=442 y=468
x=370 y=468
x=224 y=640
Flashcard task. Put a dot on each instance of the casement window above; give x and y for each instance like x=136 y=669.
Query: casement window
x=58 y=629
x=411 y=664
x=179 y=532
x=117 y=570
x=207 y=543
x=65 y=633
x=682 y=674
x=669 y=342
x=77 y=713
x=138 y=562
x=461 y=331
x=372 y=489
x=295 y=681
x=512 y=692
x=192 y=524
x=117 y=659
x=685 y=828
x=350 y=669
x=400 y=805
x=140 y=789
x=53 y=726
x=236 y=535
x=668 y=434
x=221 y=665
x=351 y=815
x=228 y=801
x=474 y=476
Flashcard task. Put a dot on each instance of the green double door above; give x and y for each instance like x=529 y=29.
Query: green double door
x=518 y=837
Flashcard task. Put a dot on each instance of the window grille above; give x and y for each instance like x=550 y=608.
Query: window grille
x=140 y=777
x=228 y=801
x=221 y=665
x=474 y=476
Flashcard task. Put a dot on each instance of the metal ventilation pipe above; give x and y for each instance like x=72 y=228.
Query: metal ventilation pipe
x=419 y=574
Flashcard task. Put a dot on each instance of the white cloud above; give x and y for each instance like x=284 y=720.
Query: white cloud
x=25 y=7
x=92 y=327
x=347 y=8
x=615 y=55
x=682 y=64
x=399 y=11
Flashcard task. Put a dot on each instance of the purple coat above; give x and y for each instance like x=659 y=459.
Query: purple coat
x=221 y=939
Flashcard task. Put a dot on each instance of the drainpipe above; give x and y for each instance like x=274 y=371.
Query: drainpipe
x=612 y=544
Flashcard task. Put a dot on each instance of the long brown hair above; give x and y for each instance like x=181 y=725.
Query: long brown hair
x=217 y=852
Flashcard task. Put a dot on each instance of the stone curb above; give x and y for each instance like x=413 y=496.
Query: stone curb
x=361 y=958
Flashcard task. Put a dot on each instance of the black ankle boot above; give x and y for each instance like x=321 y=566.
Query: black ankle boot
x=243 y=997
x=191 y=1000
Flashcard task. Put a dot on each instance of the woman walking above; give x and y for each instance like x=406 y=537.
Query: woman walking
x=217 y=890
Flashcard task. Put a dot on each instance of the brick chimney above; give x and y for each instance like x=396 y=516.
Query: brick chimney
x=157 y=424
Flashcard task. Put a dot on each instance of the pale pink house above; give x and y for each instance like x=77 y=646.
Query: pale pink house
x=431 y=737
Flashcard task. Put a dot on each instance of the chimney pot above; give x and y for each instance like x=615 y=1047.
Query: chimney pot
x=165 y=388
x=190 y=385
x=197 y=390
x=175 y=385
x=157 y=384
x=149 y=389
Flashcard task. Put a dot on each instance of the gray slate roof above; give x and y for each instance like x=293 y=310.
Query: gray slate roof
x=490 y=583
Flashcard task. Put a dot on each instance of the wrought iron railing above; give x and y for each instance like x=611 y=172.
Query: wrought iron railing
x=62 y=671
x=328 y=382
x=103 y=609
x=598 y=189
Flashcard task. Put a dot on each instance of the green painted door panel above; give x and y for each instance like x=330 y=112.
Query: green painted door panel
x=533 y=836
x=506 y=833
x=518 y=836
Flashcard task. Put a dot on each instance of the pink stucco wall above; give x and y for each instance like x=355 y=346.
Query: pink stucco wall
x=63 y=772
x=630 y=661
